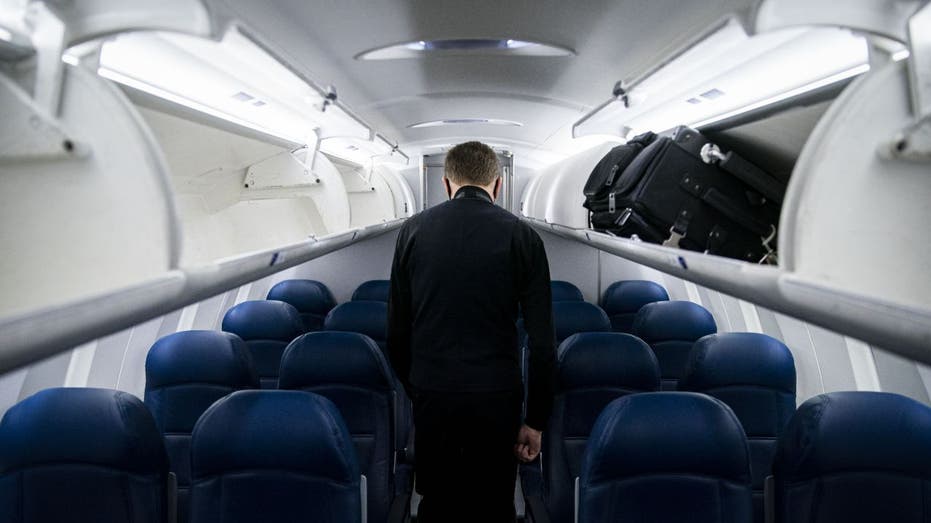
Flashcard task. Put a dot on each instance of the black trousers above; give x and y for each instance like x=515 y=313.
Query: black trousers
x=464 y=444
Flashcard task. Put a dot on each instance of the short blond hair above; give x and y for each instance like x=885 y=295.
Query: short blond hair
x=472 y=163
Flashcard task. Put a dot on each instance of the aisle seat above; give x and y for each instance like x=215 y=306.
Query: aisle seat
x=666 y=457
x=185 y=373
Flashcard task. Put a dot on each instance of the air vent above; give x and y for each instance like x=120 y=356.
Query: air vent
x=468 y=46
x=465 y=121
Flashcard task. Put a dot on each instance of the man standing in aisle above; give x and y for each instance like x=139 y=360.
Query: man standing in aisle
x=461 y=270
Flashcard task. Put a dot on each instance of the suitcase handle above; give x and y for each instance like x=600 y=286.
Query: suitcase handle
x=744 y=171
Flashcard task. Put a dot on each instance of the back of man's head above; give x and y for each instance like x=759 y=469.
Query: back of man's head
x=472 y=163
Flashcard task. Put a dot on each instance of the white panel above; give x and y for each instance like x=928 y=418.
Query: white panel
x=10 y=385
x=188 y=314
x=864 y=367
x=242 y=294
x=750 y=316
x=795 y=336
x=80 y=367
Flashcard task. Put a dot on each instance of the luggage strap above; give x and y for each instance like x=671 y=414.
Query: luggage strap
x=744 y=171
x=679 y=228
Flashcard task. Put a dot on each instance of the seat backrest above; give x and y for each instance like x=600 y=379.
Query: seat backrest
x=373 y=290
x=855 y=457
x=185 y=373
x=365 y=317
x=312 y=299
x=573 y=317
x=671 y=328
x=351 y=371
x=622 y=301
x=754 y=375
x=82 y=455
x=565 y=291
x=274 y=455
x=267 y=327
x=594 y=369
x=666 y=457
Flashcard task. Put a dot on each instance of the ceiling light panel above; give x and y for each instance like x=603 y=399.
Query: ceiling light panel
x=465 y=46
x=465 y=121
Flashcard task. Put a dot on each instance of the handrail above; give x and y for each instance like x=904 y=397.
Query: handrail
x=897 y=328
x=44 y=333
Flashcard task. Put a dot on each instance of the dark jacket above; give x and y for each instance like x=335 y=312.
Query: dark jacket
x=460 y=271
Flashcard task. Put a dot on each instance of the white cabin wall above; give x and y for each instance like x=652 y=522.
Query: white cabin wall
x=825 y=361
x=117 y=361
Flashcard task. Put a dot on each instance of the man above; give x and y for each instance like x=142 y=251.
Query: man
x=462 y=270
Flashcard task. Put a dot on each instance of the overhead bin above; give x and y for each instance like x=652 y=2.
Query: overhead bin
x=726 y=73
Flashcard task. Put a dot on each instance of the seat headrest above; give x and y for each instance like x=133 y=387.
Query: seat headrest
x=739 y=359
x=678 y=433
x=334 y=358
x=630 y=295
x=673 y=320
x=307 y=296
x=79 y=426
x=607 y=359
x=210 y=357
x=565 y=291
x=856 y=432
x=372 y=290
x=264 y=320
x=283 y=430
x=571 y=317
x=365 y=317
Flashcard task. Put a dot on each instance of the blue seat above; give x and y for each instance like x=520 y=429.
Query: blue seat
x=351 y=371
x=312 y=299
x=373 y=290
x=594 y=369
x=365 y=317
x=565 y=291
x=573 y=317
x=371 y=318
x=855 y=457
x=185 y=373
x=754 y=375
x=666 y=457
x=267 y=327
x=274 y=455
x=83 y=456
x=671 y=328
x=622 y=301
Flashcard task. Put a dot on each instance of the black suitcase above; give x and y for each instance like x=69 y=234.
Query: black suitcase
x=683 y=191
x=601 y=182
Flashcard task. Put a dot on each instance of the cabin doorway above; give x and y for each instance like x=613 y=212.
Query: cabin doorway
x=433 y=192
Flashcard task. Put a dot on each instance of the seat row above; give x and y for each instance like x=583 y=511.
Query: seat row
x=87 y=455
x=189 y=371
x=617 y=450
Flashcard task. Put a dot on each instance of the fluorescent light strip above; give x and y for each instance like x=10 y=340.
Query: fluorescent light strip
x=465 y=121
x=843 y=75
x=6 y=35
x=171 y=97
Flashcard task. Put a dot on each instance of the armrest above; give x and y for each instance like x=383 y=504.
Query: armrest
x=531 y=482
x=400 y=508
x=769 y=500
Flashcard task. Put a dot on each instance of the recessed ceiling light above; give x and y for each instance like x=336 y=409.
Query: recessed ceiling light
x=460 y=46
x=465 y=121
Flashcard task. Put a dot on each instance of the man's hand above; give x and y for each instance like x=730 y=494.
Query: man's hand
x=527 y=447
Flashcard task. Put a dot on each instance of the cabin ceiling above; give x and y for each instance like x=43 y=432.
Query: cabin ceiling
x=612 y=39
